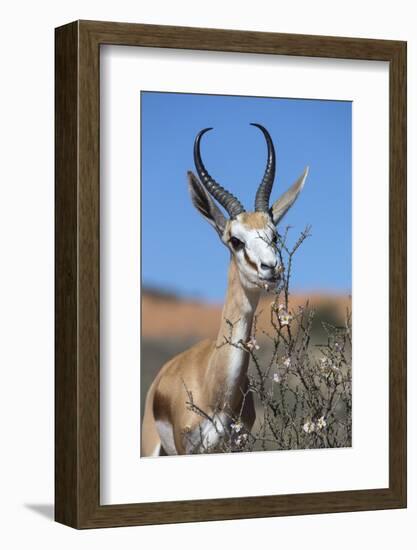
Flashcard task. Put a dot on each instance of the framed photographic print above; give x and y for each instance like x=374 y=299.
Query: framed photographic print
x=230 y=274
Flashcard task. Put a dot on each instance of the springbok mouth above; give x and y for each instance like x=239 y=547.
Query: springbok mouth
x=270 y=279
x=269 y=284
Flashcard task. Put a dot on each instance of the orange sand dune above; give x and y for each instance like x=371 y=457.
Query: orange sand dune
x=166 y=316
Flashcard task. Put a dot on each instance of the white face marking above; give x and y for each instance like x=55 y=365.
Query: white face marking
x=257 y=259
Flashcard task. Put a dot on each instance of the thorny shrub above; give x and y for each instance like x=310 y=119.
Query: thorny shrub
x=303 y=390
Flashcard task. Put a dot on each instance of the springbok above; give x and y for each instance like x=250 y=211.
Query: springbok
x=214 y=374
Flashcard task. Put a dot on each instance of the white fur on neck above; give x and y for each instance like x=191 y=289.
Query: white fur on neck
x=238 y=358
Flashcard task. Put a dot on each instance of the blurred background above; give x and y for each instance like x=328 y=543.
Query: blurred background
x=184 y=264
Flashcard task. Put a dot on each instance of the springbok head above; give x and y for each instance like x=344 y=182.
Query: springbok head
x=250 y=236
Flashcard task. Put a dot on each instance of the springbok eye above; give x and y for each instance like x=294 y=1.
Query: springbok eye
x=236 y=243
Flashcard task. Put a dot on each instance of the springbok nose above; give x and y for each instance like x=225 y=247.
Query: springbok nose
x=270 y=265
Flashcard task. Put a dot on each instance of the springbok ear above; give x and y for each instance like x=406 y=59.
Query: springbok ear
x=205 y=204
x=284 y=203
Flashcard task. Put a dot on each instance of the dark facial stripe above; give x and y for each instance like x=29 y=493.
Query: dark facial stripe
x=249 y=260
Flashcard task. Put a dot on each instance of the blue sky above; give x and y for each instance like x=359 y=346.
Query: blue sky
x=181 y=252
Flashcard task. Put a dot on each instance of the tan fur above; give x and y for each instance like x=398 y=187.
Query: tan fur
x=151 y=442
x=204 y=370
x=254 y=220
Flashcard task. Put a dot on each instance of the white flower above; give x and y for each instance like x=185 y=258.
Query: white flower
x=309 y=427
x=284 y=317
x=236 y=427
x=287 y=362
x=326 y=365
x=252 y=344
x=241 y=439
x=276 y=377
x=321 y=423
x=281 y=307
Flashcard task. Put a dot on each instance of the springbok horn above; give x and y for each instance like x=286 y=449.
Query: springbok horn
x=265 y=187
x=223 y=197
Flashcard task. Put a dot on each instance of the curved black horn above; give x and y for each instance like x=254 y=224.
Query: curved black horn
x=265 y=187
x=223 y=197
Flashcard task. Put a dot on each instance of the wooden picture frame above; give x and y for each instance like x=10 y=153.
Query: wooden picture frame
x=77 y=374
